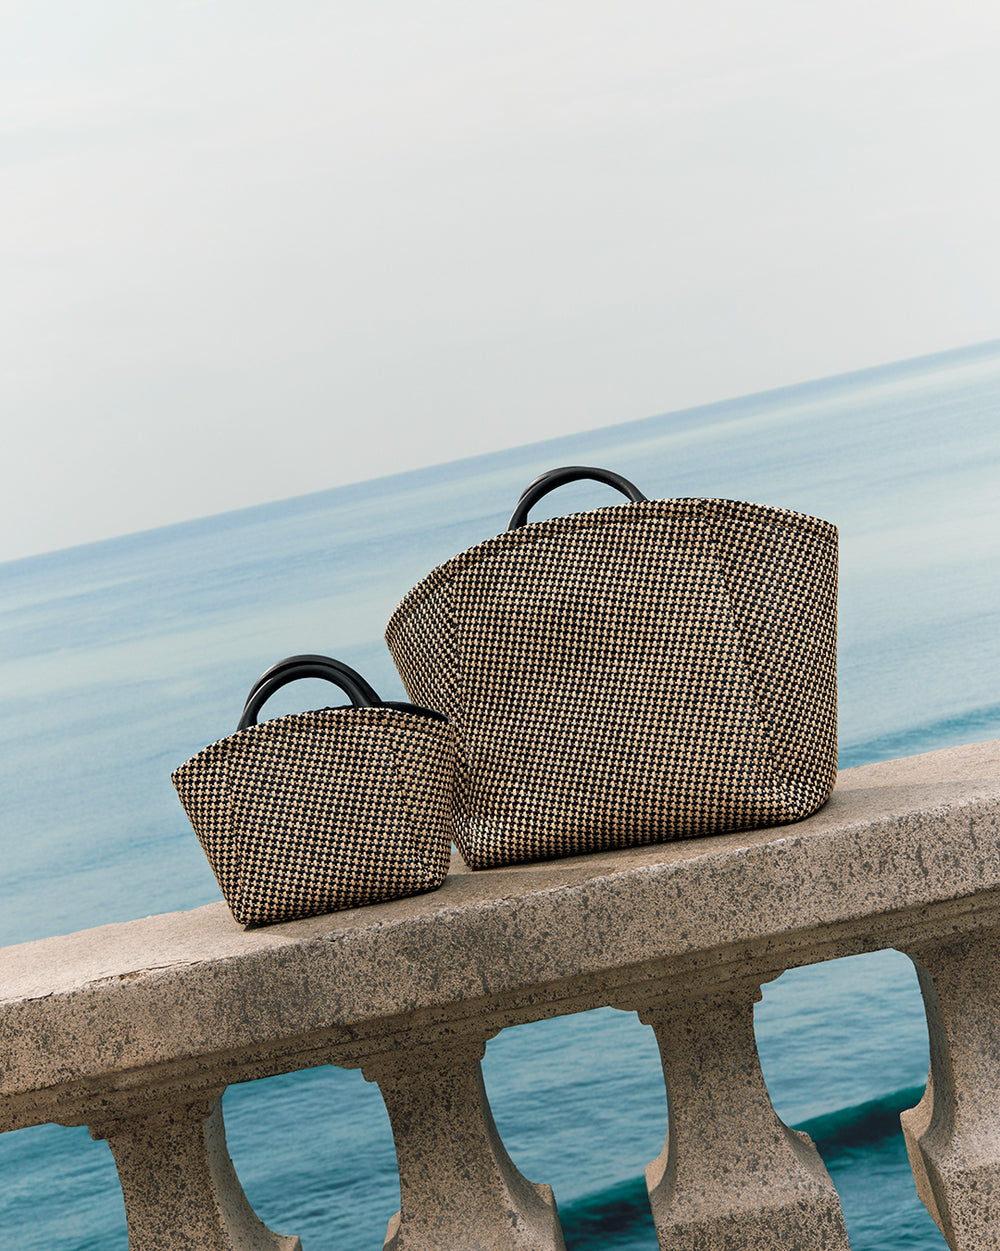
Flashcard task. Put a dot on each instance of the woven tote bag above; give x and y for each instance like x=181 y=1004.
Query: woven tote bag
x=327 y=809
x=654 y=670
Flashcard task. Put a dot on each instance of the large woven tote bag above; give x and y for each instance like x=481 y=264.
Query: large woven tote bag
x=327 y=809
x=655 y=670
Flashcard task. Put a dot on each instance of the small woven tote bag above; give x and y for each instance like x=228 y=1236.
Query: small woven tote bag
x=654 y=670
x=327 y=809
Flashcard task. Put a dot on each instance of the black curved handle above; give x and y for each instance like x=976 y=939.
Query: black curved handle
x=350 y=675
x=547 y=482
x=360 y=693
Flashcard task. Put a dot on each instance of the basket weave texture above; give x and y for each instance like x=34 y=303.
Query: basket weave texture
x=629 y=675
x=323 y=810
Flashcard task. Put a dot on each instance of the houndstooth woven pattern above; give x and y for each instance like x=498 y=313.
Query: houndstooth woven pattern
x=629 y=675
x=323 y=810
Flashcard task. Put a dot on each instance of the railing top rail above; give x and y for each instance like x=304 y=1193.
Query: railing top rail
x=902 y=845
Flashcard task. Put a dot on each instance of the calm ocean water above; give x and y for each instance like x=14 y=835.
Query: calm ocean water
x=121 y=659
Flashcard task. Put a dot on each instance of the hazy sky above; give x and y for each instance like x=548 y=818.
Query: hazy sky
x=251 y=250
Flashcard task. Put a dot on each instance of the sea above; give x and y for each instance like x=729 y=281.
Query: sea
x=121 y=659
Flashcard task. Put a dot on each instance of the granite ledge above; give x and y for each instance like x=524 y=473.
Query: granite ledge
x=903 y=848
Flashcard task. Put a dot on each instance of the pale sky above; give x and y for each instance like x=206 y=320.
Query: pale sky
x=253 y=250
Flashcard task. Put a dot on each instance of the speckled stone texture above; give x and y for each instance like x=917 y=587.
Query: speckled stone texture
x=731 y=1176
x=953 y=1134
x=458 y=1186
x=181 y=1191
x=127 y=1027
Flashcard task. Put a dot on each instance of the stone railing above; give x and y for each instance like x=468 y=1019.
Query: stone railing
x=136 y=1029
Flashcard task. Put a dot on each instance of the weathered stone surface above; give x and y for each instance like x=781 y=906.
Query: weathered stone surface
x=731 y=1176
x=130 y=1027
x=458 y=1186
x=904 y=851
x=181 y=1191
x=953 y=1134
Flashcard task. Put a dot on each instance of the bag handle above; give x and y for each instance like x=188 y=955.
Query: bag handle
x=547 y=482
x=291 y=669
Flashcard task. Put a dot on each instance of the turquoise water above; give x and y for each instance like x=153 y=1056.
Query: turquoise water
x=119 y=660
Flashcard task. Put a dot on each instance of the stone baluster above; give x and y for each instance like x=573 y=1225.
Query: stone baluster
x=181 y=1190
x=459 y=1189
x=953 y=1134
x=731 y=1175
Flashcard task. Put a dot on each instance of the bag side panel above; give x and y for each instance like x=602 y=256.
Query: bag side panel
x=781 y=571
x=424 y=759
x=202 y=787
x=421 y=639
x=421 y=636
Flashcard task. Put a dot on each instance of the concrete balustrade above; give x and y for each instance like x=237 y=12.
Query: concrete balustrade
x=179 y=1184
x=731 y=1174
x=135 y=1029
x=953 y=1135
x=458 y=1186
